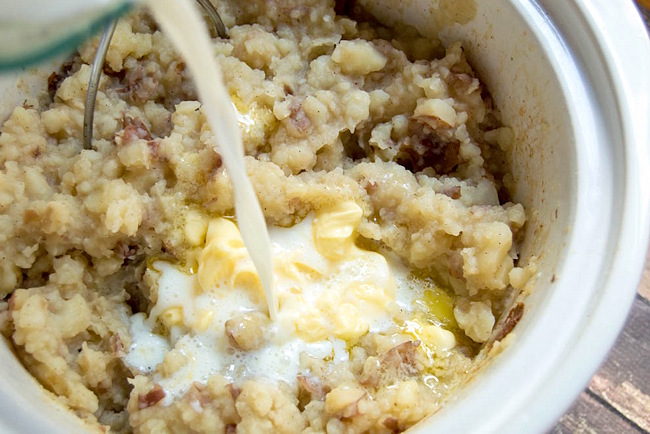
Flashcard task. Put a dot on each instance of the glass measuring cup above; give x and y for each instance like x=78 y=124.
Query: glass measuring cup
x=34 y=30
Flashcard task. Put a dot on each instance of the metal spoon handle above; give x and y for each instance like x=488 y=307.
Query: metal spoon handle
x=93 y=84
x=212 y=13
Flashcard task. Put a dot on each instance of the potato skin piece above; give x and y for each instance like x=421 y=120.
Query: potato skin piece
x=247 y=331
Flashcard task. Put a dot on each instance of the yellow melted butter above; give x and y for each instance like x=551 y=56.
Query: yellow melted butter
x=326 y=285
x=321 y=290
x=330 y=293
x=436 y=303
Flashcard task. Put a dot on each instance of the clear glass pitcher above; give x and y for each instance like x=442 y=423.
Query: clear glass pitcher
x=33 y=30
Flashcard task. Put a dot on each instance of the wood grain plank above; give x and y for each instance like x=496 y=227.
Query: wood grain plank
x=588 y=415
x=623 y=382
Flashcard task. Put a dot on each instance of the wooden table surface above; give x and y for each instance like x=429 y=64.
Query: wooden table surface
x=617 y=400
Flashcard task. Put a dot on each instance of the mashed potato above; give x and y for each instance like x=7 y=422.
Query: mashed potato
x=382 y=144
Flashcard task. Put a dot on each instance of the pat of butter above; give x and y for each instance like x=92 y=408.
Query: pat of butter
x=334 y=230
x=224 y=260
x=348 y=325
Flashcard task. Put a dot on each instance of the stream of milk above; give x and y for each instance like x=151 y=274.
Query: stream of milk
x=184 y=26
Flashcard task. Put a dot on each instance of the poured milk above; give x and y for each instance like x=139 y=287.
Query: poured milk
x=184 y=26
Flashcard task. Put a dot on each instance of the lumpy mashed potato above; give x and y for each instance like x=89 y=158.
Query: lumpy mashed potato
x=380 y=165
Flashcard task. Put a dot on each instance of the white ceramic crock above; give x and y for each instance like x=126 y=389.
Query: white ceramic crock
x=572 y=77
